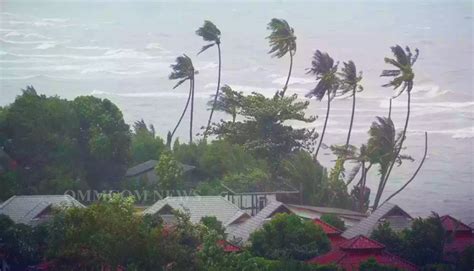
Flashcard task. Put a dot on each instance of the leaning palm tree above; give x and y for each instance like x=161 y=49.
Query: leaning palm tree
x=350 y=83
x=210 y=33
x=282 y=41
x=183 y=71
x=402 y=82
x=382 y=148
x=325 y=70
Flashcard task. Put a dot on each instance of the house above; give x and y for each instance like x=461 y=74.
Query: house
x=388 y=212
x=333 y=233
x=349 y=217
x=33 y=210
x=460 y=237
x=351 y=253
x=198 y=207
x=146 y=171
x=241 y=233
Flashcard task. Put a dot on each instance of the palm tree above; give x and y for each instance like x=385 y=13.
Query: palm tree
x=282 y=41
x=183 y=70
x=403 y=82
x=382 y=149
x=350 y=84
x=210 y=33
x=325 y=70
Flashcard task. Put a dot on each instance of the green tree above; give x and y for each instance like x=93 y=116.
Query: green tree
x=228 y=101
x=372 y=265
x=306 y=175
x=385 y=235
x=169 y=172
x=183 y=71
x=282 y=41
x=350 y=83
x=145 y=145
x=334 y=220
x=210 y=33
x=104 y=141
x=403 y=77
x=289 y=237
x=264 y=131
x=212 y=223
x=325 y=70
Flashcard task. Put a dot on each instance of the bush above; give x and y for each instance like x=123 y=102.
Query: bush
x=288 y=237
x=334 y=221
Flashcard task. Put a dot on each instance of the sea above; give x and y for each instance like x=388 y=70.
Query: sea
x=122 y=51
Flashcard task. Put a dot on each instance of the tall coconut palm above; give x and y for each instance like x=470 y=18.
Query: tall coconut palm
x=383 y=150
x=402 y=82
x=325 y=70
x=282 y=41
x=210 y=33
x=183 y=70
x=350 y=83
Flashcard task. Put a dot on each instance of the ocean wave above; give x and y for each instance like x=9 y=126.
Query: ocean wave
x=293 y=81
x=46 y=45
x=24 y=42
x=428 y=91
x=161 y=94
x=462 y=133
x=25 y=35
x=153 y=46
x=109 y=54
x=88 y=48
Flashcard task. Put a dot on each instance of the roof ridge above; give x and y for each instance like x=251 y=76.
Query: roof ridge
x=328 y=225
x=400 y=258
x=7 y=201
x=457 y=220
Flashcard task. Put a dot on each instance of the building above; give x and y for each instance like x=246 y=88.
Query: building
x=146 y=171
x=349 y=217
x=239 y=234
x=388 y=212
x=333 y=233
x=351 y=253
x=33 y=210
x=460 y=237
x=198 y=207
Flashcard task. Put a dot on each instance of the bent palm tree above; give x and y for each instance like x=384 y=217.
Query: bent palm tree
x=325 y=70
x=210 y=33
x=383 y=150
x=282 y=41
x=350 y=84
x=403 y=82
x=183 y=71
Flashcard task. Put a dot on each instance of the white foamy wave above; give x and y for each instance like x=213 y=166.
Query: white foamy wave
x=88 y=48
x=126 y=53
x=462 y=133
x=428 y=91
x=208 y=66
x=293 y=80
x=25 y=35
x=173 y=94
x=110 y=54
x=23 y=42
x=46 y=45
x=152 y=46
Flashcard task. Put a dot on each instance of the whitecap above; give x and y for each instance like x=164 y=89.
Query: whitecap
x=155 y=45
x=46 y=45
x=293 y=80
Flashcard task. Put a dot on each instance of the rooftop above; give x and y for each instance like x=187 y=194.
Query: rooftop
x=25 y=209
x=199 y=207
x=150 y=165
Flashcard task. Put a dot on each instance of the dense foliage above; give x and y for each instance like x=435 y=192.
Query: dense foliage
x=289 y=237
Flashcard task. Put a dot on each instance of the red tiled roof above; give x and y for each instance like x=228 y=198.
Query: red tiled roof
x=452 y=224
x=353 y=252
x=361 y=243
x=228 y=247
x=328 y=229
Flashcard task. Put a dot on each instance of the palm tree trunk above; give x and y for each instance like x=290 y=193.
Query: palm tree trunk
x=289 y=75
x=324 y=127
x=362 y=187
x=416 y=171
x=385 y=179
x=217 y=92
x=390 y=109
x=192 y=112
x=182 y=114
x=352 y=117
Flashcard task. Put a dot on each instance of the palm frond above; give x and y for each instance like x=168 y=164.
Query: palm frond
x=205 y=47
x=209 y=32
x=282 y=38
